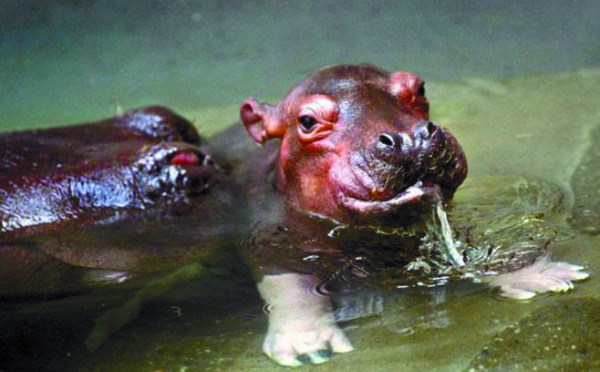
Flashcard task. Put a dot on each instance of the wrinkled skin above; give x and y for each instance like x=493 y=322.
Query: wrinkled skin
x=351 y=146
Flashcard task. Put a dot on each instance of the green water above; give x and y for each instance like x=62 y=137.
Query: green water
x=67 y=61
x=520 y=94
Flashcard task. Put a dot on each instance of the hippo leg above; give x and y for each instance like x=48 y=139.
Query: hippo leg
x=542 y=277
x=302 y=328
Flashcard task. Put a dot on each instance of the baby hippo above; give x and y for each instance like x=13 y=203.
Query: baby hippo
x=357 y=145
x=356 y=148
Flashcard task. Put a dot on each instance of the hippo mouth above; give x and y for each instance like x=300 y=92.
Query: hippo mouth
x=360 y=192
x=172 y=171
x=418 y=191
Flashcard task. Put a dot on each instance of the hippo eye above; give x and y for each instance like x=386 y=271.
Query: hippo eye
x=307 y=122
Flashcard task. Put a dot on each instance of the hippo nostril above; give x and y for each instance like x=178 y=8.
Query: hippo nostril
x=431 y=128
x=425 y=131
x=387 y=140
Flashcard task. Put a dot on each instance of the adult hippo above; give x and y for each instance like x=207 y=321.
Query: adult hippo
x=84 y=196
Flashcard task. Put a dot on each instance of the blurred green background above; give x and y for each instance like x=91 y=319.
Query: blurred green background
x=69 y=61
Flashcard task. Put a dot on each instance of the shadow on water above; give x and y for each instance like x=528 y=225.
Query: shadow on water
x=168 y=330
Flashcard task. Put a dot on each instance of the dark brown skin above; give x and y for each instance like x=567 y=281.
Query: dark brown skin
x=103 y=195
x=74 y=174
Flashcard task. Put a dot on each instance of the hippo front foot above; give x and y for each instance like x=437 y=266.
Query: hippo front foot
x=302 y=328
x=544 y=276
x=304 y=343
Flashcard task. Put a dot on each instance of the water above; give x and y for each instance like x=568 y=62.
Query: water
x=449 y=248
x=521 y=97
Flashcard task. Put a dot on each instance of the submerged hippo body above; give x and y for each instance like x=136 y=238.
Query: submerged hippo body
x=350 y=163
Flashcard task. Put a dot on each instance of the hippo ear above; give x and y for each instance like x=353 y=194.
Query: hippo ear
x=410 y=91
x=261 y=120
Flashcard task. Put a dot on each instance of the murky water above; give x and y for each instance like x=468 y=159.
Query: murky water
x=528 y=139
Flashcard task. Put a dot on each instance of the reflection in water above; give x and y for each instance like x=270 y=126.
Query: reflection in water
x=402 y=312
x=115 y=319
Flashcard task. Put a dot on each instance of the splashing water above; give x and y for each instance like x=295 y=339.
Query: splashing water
x=448 y=247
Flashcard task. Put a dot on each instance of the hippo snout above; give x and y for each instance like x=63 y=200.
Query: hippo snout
x=398 y=147
x=398 y=160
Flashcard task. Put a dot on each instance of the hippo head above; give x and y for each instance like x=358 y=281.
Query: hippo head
x=357 y=144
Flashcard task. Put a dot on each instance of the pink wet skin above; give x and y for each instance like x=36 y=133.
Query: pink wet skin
x=185 y=158
x=357 y=143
